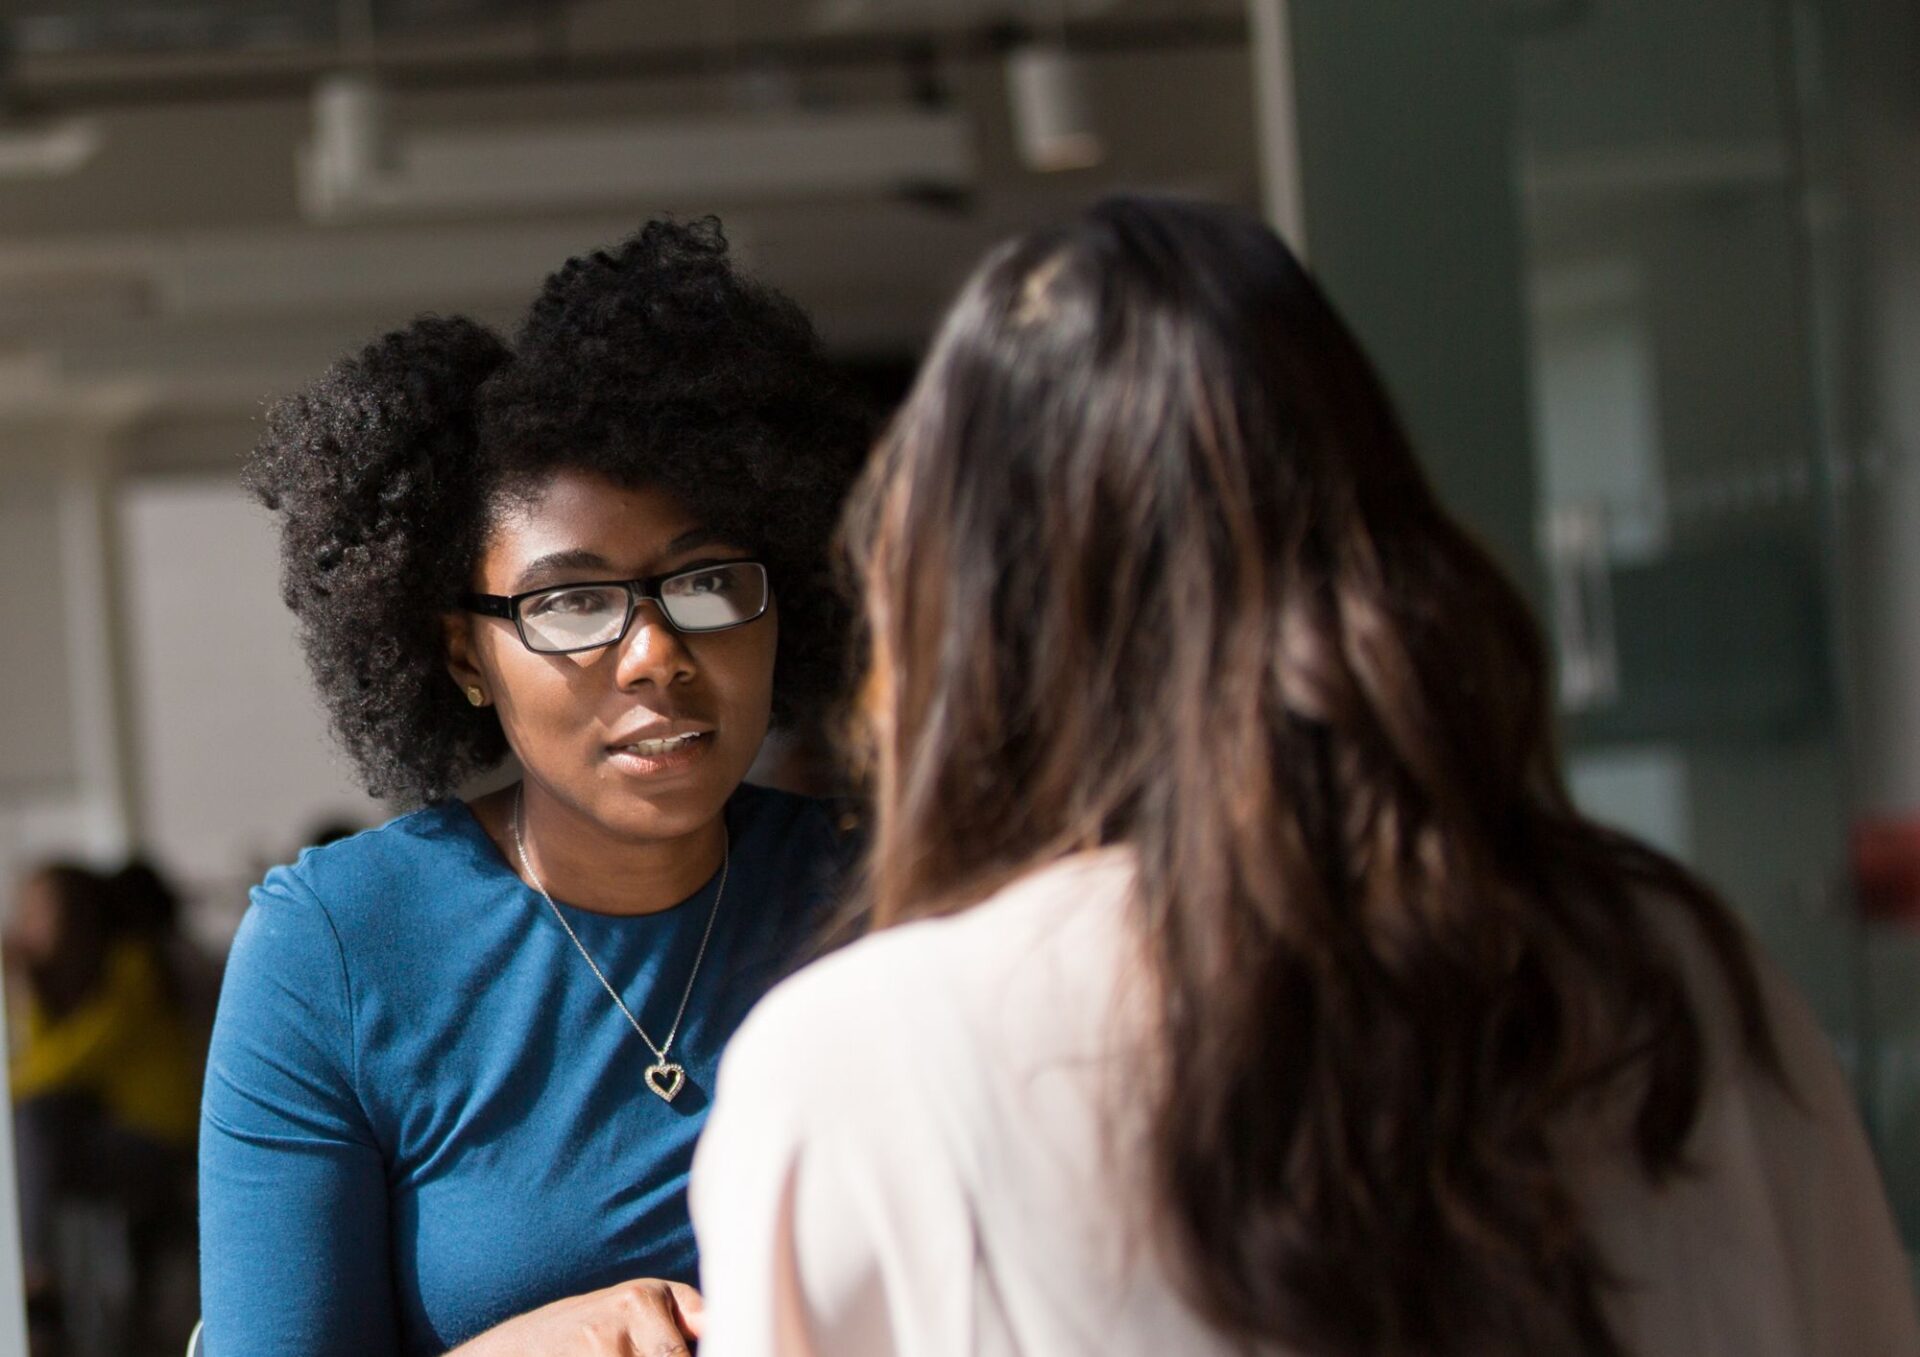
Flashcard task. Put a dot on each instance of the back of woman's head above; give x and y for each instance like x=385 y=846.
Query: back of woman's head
x=1149 y=561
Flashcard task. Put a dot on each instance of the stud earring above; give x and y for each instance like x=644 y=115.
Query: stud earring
x=475 y=696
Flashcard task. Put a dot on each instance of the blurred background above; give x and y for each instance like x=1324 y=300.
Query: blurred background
x=1644 y=274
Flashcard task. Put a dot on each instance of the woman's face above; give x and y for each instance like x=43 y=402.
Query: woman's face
x=35 y=931
x=575 y=721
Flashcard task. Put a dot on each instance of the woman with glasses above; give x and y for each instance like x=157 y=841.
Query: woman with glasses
x=461 y=1060
x=1250 y=983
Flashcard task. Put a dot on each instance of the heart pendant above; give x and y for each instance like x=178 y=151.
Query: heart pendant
x=666 y=1080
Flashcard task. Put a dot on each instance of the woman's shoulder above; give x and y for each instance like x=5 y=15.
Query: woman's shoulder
x=805 y=844
x=419 y=856
x=831 y=1051
x=1779 y=1223
x=767 y=812
x=948 y=984
x=360 y=912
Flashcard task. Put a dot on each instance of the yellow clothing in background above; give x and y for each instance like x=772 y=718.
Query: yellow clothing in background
x=126 y=1045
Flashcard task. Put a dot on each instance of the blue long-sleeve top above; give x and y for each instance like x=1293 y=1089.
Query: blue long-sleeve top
x=423 y=1115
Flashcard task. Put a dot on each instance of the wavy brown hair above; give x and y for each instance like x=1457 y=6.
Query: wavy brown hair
x=1148 y=561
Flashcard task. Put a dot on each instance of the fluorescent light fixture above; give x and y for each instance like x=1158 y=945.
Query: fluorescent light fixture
x=49 y=152
x=355 y=168
x=350 y=143
x=1052 y=114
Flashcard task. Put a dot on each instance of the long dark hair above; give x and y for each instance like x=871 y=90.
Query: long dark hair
x=1149 y=561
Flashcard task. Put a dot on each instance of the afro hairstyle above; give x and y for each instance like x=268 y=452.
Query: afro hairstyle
x=654 y=364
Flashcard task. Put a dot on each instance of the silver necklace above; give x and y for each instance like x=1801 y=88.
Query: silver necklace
x=665 y=1077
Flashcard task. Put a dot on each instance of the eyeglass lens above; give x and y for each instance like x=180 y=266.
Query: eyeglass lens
x=576 y=617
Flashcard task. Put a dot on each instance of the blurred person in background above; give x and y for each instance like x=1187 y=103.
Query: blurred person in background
x=329 y=831
x=104 y=1075
x=461 y=1060
x=1245 y=979
x=148 y=910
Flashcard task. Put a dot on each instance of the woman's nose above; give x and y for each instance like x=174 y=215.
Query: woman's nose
x=652 y=651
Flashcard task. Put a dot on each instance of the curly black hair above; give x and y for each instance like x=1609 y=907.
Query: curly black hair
x=652 y=364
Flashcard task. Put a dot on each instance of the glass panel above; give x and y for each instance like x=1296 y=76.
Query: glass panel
x=1686 y=319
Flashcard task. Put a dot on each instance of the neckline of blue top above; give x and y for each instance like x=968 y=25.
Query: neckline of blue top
x=460 y=817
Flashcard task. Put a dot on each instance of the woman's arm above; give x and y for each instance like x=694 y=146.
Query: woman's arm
x=654 y=1318
x=295 y=1247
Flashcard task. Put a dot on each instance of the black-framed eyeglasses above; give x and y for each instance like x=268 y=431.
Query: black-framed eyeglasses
x=570 y=617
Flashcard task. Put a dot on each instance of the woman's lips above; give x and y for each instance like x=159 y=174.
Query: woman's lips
x=660 y=757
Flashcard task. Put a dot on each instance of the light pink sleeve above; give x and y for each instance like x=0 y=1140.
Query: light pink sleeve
x=1777 y=1241
x=829 y=1216
x=1854 y=1281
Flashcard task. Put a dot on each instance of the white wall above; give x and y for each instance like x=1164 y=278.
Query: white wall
x=59 y=793
x=35 y=709
x=233 y=759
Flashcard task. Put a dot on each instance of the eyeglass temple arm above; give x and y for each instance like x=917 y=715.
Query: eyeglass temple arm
x=492 y=605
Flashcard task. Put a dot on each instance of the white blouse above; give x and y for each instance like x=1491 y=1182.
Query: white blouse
x=911 y=1153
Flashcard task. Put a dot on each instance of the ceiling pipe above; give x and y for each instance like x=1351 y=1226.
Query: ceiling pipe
x=357 y=167
x=110 y=81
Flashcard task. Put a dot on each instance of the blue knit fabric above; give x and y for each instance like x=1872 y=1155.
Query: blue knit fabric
x=423 y=1115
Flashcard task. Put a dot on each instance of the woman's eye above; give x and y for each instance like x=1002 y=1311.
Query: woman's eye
x=572 y=603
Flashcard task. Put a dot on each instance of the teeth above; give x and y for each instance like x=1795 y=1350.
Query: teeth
x=652 y=747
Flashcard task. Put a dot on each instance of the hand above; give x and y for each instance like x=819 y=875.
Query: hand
x=642 y=1318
